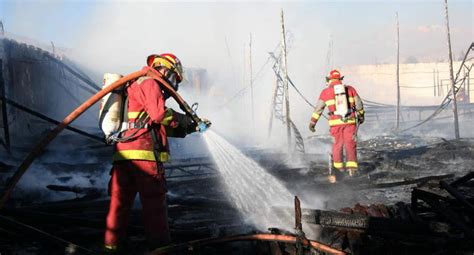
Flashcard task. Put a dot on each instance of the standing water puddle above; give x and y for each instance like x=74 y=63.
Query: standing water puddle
x=251 y=189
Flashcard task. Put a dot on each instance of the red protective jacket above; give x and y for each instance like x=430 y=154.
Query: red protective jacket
x=146 y=97
x=327 y=98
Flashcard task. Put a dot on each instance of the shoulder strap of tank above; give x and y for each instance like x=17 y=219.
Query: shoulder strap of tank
x=142 y=79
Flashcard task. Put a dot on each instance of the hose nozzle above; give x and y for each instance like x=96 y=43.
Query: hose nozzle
x=203 y=125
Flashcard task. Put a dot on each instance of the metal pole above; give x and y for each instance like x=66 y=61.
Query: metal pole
x=272 y=109
x=398 y=74
x=468 y=88
x=285 y=82
x=440 y=88
x=451 y=74
x=251 y=83
x=6 y=131
x=54 y=48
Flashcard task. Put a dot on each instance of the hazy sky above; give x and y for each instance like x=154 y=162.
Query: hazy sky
x=363 y=31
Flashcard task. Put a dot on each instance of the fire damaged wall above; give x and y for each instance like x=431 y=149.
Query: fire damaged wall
x=41 y=82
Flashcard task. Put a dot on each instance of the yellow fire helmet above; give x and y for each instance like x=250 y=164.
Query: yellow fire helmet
x=169 y=61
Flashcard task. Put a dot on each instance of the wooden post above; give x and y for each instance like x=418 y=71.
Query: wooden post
x=251 y=83
x=285 y=81
x=398 y=74
x=451 y=74
x=6 y=131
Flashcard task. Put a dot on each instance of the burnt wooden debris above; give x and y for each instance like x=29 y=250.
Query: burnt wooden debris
x=434 y=216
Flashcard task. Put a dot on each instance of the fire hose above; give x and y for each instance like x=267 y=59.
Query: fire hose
x=38 y=149
x=255 y=237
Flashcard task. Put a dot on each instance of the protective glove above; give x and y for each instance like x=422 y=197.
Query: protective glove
x=311 y=127
x=360 y=116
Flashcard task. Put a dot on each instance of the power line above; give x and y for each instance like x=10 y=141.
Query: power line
x=447 y=100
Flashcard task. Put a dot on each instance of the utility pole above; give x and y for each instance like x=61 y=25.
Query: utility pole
x=244 y=82
x=54 y=48
x=2 y=30
x=451 y=74
x=398 y=73
x=6 y=131
x=329 y=56
x=251 y=83
x=272 y=109
x=244 y=66
x=231 y=65
x=285 y=82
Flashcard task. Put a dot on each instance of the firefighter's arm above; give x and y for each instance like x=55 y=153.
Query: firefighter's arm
x=318 y=110
x=359 y=107
x=153 y=100
x=177 y=124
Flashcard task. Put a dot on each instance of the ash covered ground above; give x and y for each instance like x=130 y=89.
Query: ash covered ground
x=390 y=167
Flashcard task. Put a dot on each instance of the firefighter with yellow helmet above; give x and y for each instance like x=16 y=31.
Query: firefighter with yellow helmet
x=140 y=150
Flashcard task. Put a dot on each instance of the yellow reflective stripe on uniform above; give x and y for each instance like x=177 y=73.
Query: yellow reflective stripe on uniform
x=139 y=155
x=134 y=154
x=351 y=100
x=135 y=115
x=340 y=122
x=315 y=116
x=351 y=164
x=362 y=112
x=111 y=247
x=338 y=165
x=330 y=102
x=168 y=118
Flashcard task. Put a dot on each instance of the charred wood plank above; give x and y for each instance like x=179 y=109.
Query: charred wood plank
x=407 y=182
x=462 y=180
x=70 y=206
x=75 y=189
x=434 y=201
x=456 y=194
x=363 y=222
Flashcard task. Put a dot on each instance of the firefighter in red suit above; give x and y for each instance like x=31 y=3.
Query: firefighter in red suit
x=346 y=112
x=138 y=160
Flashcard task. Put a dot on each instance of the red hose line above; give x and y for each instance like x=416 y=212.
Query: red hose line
x=74 y=115
x=255 y=237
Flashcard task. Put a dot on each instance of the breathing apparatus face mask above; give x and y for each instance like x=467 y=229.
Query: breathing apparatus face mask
x=170 y=77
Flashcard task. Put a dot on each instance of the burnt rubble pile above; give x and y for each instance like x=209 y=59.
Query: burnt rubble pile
x=409 y=201
x=439 y=219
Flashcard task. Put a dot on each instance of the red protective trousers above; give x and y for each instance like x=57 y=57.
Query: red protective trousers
x=147 y=178
x=344 y=139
